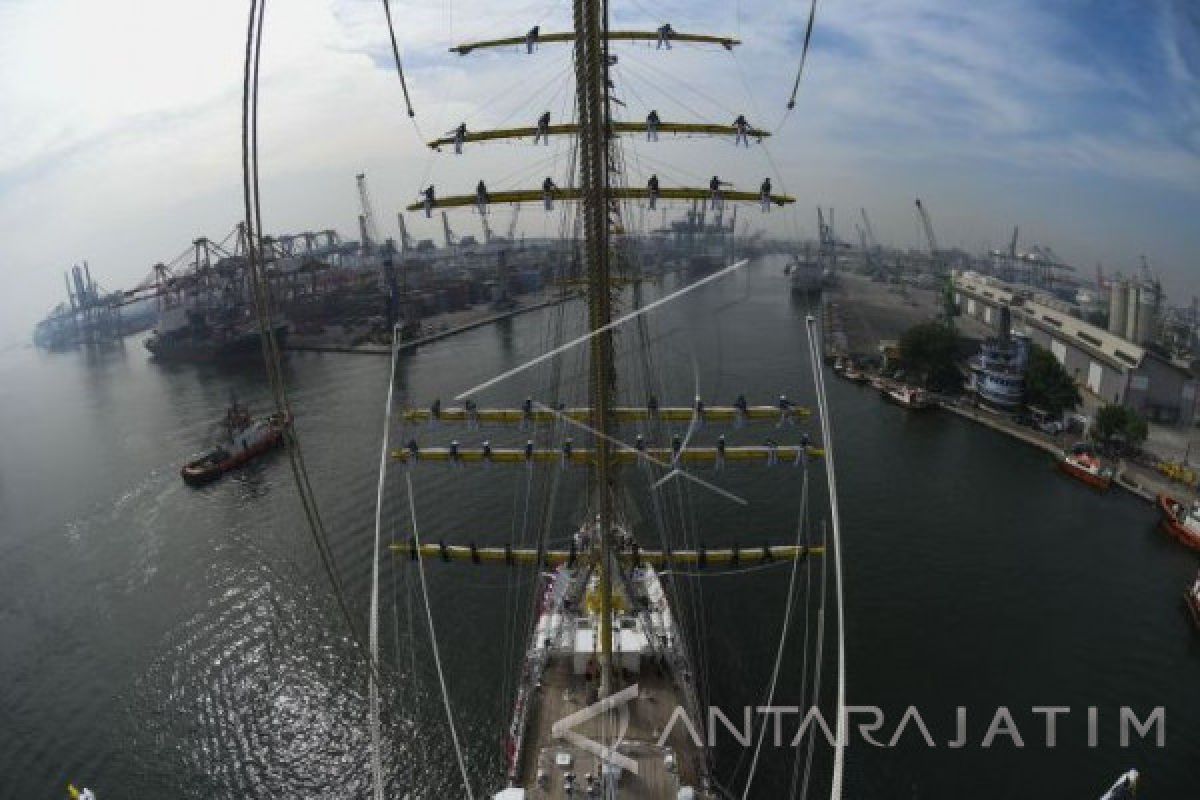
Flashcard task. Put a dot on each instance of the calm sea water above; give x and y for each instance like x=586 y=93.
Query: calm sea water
x=158 y=641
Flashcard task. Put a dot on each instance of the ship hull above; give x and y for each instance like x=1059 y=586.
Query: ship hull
x=1079 y=473
x=203 y=471
x=1167 y=506
x=248 y=345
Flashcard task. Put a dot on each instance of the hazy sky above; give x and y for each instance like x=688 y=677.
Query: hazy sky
x=1078 y=120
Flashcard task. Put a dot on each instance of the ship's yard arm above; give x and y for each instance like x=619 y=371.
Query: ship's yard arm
x=727 y=42
x=687 y=193
x=529 y=132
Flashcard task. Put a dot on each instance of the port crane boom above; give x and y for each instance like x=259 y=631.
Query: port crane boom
x=369 y=229
x=451 y=239
x=927 y=224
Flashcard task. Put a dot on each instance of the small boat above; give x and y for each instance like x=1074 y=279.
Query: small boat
x=1081 y=462
x=1181 y=521
x=908 y=397
x=854 y=374
x=247 y=438
x=1192 y=598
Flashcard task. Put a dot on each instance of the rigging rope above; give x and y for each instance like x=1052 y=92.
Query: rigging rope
x=839 y=752
x=387 y=10
x=373 y=619
x=818 y=661
x=804 y=667
x=262 y=302
x=437 y=656
x=812 y=15
x=783 y=634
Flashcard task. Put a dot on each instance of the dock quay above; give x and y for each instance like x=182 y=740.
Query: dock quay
x=1139 y=481
x=337 y=339
x=858 y=314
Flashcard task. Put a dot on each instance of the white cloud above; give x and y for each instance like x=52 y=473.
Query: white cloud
x=120 y=122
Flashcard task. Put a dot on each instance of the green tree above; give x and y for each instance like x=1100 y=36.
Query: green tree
x=929 y=351
x=1136 y=428
x=1116 y=424
x=1048 y=385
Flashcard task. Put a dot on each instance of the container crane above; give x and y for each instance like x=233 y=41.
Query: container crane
x=934 y=251
x=874 y=243
x=370 y=232
x=949 y=308
x=487 y=229
x=451 y=239
x=512 y=224
x=406 y=240
x=868 y=258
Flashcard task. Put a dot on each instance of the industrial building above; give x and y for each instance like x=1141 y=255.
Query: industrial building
x=1107 y=367
x=1133 y=310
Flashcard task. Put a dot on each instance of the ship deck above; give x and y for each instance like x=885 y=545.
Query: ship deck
x=563 y=693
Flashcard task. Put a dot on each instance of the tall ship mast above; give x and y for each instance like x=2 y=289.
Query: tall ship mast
x=607 y=662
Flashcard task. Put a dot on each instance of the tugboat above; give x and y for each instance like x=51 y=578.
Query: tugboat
x=1192 y=597
x=907 y=397
x=246 y=439
x=1181 y=521
x=1081 y=462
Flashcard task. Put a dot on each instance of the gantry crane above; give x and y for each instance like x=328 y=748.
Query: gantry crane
x=369 y=230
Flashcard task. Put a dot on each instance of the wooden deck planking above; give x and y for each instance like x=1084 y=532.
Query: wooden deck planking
x=563 y=694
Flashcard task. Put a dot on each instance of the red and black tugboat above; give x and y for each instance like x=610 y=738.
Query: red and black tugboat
x=246 y=439
x=1180 y=520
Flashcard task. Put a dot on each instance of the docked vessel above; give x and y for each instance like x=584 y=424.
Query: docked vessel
x=246 y=439
x=997 y=373
x=907 y=396
x=1082 y=463
x=206 y=315
x=1180 y=520
x=194 y=338
x=806 y=274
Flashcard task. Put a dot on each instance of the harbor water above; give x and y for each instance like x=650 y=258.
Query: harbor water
x=160 y=641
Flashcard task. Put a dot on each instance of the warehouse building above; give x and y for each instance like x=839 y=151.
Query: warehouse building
x=1108 y=367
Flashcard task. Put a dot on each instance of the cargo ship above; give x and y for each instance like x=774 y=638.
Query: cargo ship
x=185 y=334
x=806 y=274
